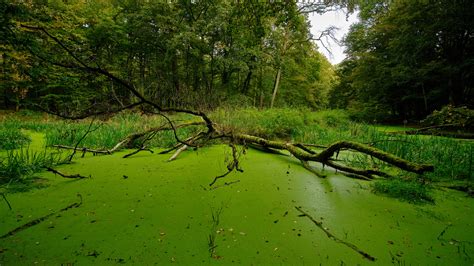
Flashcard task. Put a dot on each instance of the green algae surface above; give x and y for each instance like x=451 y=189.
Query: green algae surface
x=143 y=210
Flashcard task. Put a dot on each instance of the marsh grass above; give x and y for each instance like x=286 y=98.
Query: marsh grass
x=11 y=136
x=452 y=158
x=19 y=165
x=211 y=241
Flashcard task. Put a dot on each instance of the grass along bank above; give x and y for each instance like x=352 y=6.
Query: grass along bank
x=452 y=157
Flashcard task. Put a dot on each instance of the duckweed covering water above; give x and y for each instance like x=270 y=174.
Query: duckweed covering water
x=143 y=211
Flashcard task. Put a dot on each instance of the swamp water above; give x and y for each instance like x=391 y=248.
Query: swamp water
x=144 y=211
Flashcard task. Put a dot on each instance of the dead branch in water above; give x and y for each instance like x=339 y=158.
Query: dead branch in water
x=214 y=131
x=89 y=130
x=333 y=237
x=41 y=219
x=130 y=139
x=5 y=198
x=233 y=164
x=49 y=169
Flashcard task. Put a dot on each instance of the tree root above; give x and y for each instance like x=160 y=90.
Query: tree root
x=49 y=169
x=41 y=219
x=233 y=165
x=333 y=237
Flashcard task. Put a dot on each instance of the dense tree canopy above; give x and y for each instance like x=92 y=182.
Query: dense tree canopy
x=197 y=54
x=408 y=58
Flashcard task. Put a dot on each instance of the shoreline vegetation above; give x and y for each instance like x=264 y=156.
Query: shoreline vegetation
x=324 y=128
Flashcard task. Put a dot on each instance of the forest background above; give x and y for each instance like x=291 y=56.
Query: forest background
x=405 y=58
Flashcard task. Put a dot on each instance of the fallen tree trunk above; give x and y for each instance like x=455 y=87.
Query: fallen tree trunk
x=300 y=151
x=213 y=132
x=325 y=156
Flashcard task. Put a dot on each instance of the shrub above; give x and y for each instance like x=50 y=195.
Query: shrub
x=462 y=116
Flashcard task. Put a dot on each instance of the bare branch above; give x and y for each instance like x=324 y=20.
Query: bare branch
x=49 y=169
x=86 y=113
x=333 y=237
x=233 y=165
x=127 y=85
x=89 y=130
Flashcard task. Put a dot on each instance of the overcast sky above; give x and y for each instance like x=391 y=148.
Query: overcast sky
x=320 y=22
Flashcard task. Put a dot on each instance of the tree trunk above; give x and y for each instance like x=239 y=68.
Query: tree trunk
x=246 y=86
x=424 y=98
x=275 y=88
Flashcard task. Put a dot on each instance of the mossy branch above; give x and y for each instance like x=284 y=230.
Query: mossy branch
x=325 y=156
x=300 y=151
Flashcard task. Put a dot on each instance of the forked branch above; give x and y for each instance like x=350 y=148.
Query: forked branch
x=300 y=151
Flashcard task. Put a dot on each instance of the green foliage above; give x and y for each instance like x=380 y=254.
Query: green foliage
x=270 y=123
x=409 y=190
x=453 y=158
x=462 y=116
x=406 y=59
x=11 y=136
x=22 y=164
x=173 y=53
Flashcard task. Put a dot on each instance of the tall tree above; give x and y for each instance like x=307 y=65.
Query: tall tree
x=409 y=58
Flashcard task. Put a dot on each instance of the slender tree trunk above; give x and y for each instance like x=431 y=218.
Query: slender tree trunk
x=141 y=88
x=450 y=89
x=4 y=72
x=175 y=74
x=275 y=88
x=424 y=96
x=246 y=86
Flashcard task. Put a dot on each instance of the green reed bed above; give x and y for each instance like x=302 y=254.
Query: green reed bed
x=17 y=165
x=11 y=136
x=452 y=158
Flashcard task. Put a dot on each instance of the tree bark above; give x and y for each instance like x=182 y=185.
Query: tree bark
x=275 y=87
